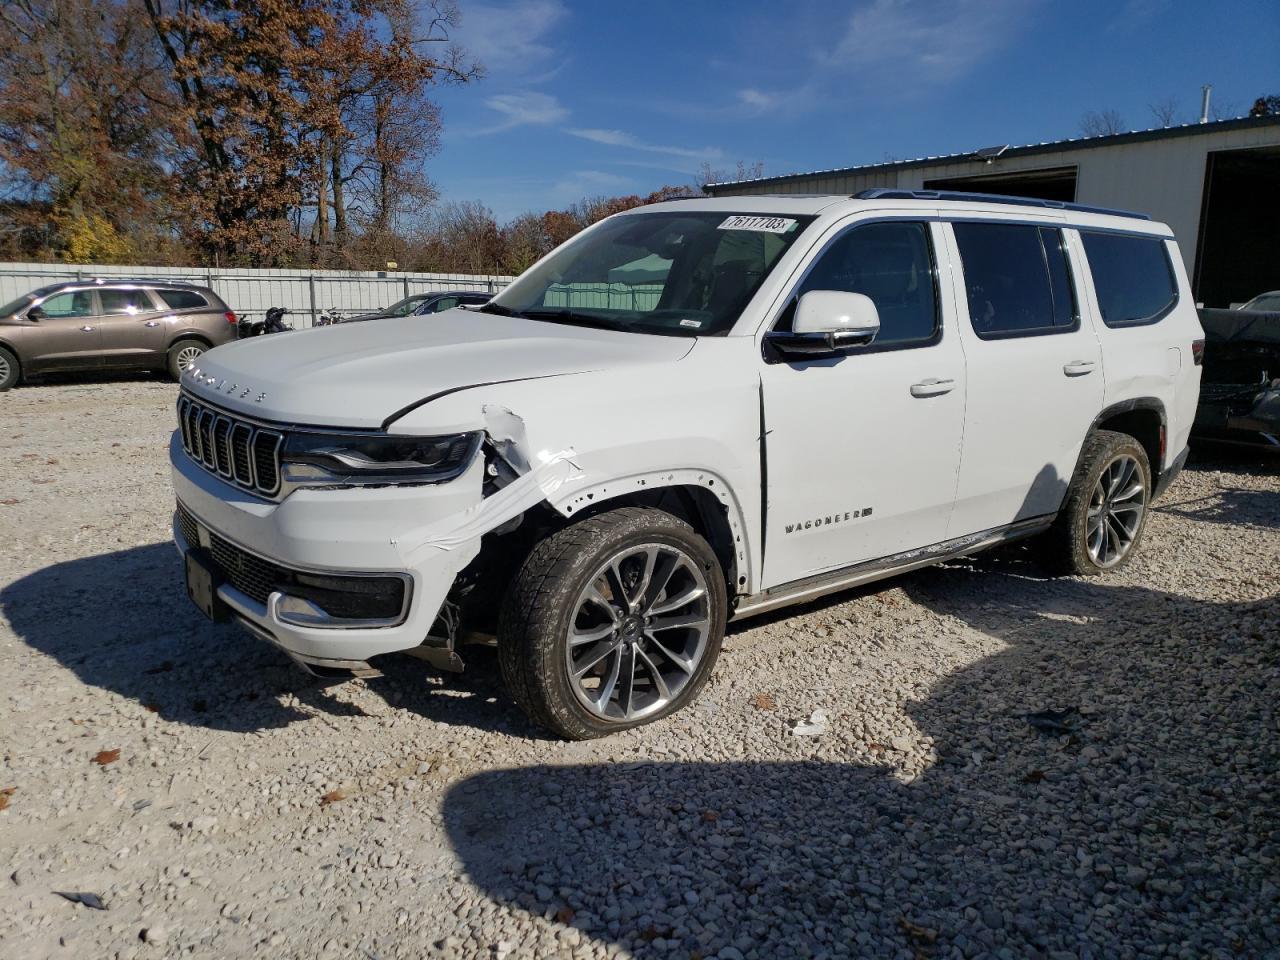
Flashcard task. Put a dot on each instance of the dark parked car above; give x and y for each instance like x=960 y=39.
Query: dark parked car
x=437 y=301
x=110 y=325
x=1240 y=388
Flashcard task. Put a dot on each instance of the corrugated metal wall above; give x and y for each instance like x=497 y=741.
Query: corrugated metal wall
x=1162 y=177
x=251 y=292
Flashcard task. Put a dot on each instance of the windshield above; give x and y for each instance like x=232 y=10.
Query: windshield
x=9 y=309
x=684 y=273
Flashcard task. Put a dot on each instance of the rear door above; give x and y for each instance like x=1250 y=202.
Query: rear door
x=861 y=451
x=133 y=330
x=1035 y=379
x=67 y=336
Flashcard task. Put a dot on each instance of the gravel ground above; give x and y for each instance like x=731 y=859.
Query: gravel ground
x=244 y=807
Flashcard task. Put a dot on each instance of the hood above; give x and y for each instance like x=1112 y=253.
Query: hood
x=361 y=375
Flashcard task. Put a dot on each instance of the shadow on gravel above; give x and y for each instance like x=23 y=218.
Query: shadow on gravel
x=122 y=621
x=1148 y=820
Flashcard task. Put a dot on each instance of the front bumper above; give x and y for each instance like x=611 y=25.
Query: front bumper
x=339 y=532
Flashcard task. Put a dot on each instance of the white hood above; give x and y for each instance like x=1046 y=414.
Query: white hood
x=361 y=374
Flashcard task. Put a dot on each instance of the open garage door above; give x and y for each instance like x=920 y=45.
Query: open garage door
x=1238 y=256
x=1050 y=183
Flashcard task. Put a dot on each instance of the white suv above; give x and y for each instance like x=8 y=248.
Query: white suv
x=693 y=411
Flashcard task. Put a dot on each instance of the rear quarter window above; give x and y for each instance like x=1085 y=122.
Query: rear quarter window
x=1132 y=276
x=181 y=299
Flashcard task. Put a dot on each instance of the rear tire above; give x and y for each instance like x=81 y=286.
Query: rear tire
x=585 y=658
x=182 y=354
x=10 y=371
x=1105 y=512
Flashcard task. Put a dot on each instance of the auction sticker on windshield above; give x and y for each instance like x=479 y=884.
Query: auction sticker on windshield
x=760 y=224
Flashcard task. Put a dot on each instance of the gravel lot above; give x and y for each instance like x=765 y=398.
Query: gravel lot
x=252 y=808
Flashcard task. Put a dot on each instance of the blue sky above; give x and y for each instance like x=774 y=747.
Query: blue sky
x=603 y=98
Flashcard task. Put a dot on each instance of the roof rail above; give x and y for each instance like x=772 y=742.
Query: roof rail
x=152 y=280
x=889 y=193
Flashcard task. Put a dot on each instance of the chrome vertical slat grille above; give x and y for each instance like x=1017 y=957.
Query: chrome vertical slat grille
x=236 y=450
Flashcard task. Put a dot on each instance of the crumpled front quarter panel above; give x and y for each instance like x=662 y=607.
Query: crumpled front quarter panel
x=633 y=428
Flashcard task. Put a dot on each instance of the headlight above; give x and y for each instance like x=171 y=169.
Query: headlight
x=317 y=458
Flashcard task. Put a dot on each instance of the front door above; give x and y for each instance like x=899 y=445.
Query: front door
x=133 y=328
x=862 y=451
x=66 y=336
x=1035 y=372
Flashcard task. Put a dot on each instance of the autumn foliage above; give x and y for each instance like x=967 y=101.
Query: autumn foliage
x=244 y=132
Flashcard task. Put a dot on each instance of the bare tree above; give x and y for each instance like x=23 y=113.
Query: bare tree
x=708 y=174
x=1167 y=111
x=1102 y=123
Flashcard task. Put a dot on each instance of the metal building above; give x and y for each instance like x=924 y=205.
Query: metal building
x=1216 y=184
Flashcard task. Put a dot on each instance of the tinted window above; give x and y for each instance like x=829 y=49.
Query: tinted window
x=182 y=299
x=444 y=303
x=77 y=304
x=124 y=301
x=1016 y=279
x=1132 y=277
x=890 y=263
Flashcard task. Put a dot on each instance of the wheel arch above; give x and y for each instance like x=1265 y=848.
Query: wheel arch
x=701 y=498
x=198 y=335
x=1146 y=420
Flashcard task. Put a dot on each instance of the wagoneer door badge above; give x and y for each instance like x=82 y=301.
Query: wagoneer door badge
x=827 y=521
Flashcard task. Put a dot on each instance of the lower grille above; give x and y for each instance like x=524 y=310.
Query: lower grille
x=380 y=598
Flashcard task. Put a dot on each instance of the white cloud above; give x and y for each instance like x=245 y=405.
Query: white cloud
x=521 y=109
x=511 y=38
x=758 y=99
x=620 y=138
x=924 y=41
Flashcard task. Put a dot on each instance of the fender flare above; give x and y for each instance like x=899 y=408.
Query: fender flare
x=601 y=492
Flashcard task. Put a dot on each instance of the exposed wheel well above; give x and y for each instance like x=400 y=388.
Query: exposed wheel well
x=696 y=506
x=1146 y=425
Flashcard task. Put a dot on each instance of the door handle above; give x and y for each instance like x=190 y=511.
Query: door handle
x=152 y=323
x=86 y=329
x=1078 y=368
x=933 y=387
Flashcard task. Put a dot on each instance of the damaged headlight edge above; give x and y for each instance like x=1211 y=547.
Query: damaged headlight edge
x=333 y=458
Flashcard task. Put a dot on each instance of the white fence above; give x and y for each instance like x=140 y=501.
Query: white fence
x=304 y=293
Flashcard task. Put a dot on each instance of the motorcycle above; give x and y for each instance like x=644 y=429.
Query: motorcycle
x=329 y=317
x=271 y=323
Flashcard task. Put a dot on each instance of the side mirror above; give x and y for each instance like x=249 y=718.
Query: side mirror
x=827 y=323
x=36 y=313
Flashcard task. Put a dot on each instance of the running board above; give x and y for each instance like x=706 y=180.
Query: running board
x=833 y=581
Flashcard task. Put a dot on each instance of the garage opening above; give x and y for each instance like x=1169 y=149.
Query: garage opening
x=1050 y=183
x=1236 y=258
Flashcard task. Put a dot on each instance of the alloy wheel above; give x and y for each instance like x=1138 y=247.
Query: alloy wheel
x=1116 y=506
x=187 y=356
x=5 y=369
x=639 y=632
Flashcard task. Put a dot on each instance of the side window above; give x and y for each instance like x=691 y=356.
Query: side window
x=1016 y=279
x=892 y=263
x=124 y=302
x=443 y=304
x=1132 y=276
x=182 y=299
x=77 y=304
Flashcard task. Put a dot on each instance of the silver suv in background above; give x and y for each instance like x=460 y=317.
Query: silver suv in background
x=110 y=325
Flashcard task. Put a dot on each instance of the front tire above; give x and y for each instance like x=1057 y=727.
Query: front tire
x=10 y=371
x=1105 y=512
x=611 y=623
x=182 y=354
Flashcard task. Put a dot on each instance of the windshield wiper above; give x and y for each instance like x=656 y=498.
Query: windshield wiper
x=499 y=309
x=564 y=315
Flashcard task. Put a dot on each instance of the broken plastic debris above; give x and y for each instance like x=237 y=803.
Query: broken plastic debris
x=817 y=725
x=88 y=899
x=1055 y=722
